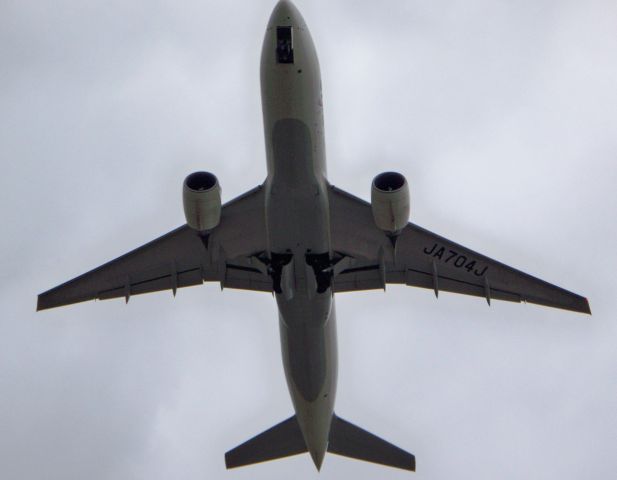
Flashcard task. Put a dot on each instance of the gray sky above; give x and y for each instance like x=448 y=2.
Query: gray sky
x=503 y=117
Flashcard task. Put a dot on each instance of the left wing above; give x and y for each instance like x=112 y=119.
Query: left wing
x=179 y=259
x=423 y=259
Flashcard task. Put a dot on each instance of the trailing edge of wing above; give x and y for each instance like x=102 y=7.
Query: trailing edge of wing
x=424 y=259
x=178 y=256
x=179 y=259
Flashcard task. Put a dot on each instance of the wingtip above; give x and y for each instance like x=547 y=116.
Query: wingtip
x=581 y=305
x=40 y=303
x=45 y=302
x=228 y=464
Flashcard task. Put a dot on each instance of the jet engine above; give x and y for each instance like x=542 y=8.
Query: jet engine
x=201 y=196
x=390 y=202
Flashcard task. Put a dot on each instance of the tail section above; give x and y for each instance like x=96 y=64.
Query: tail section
x=286 y=439
x=350 y=441
x=282 y=440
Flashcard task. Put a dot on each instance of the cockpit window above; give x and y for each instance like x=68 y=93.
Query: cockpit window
x=284 y=45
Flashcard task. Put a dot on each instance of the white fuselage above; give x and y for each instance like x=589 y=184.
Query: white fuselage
x=297 y=218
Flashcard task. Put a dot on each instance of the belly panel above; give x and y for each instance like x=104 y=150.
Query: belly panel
x=297 y=212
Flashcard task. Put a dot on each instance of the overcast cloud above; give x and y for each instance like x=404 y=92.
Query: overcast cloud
x=503 y=117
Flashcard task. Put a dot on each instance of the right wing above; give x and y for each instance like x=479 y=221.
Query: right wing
x=181 y=259
x=424 y=259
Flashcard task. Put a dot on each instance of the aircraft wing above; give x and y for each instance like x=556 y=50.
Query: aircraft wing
x=368 y=260
x=181 y=258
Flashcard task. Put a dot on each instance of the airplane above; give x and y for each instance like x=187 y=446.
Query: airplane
x=303 y=240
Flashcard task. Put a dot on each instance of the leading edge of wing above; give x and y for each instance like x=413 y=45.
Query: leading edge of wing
x=177 y=259
x=116 y=274
x=503 y=285
x=355 y=234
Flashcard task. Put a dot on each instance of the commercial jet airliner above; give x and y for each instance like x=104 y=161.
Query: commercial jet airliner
x=304 y=240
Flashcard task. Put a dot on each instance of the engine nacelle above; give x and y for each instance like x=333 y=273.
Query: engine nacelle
x=390 y=202
x=201 y=196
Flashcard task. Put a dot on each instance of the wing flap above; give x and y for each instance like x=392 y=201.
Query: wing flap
x=417 y=278
x=424 y=259
x=246 y=278
x=178 y=259
x=359 y=278
x=462 y=270
x=145 y=269
x=153 y=282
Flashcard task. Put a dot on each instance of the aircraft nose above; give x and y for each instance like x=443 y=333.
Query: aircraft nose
x=285 y=13
x=284 y=7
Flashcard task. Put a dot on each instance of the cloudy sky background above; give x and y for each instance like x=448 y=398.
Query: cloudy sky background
x=503 y=117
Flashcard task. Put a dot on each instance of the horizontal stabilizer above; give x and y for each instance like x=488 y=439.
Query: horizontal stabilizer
x=282 y=440
x=350 y=441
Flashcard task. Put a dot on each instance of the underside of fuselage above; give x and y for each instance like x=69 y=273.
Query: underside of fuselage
x=297 y=221
x=300 y=257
